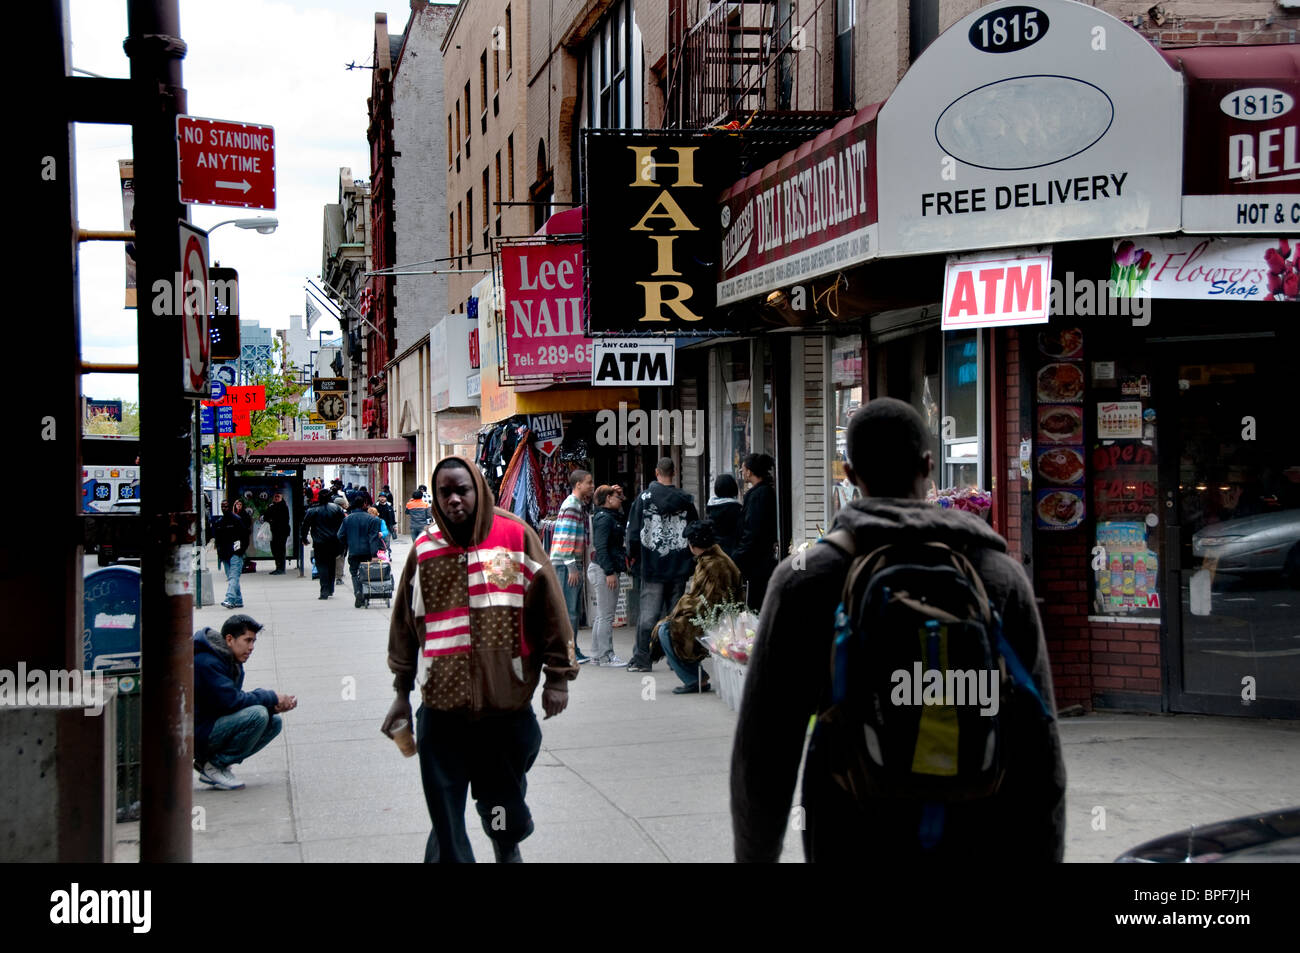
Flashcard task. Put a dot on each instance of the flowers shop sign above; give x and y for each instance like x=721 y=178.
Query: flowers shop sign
x=1028 y=124
x=1208 y=269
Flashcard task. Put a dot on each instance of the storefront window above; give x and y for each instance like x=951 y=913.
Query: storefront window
x=907 y=369
x=733 y=369
x=960 y=426
x=846 y=397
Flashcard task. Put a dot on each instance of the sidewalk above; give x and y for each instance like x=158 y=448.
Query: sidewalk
x=623 y=777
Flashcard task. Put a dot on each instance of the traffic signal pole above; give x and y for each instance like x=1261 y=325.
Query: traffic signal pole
x=168 y=494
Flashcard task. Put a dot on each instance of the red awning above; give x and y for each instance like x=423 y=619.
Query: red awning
x=356 y=452
x=1240 y=169
x=1208 y=63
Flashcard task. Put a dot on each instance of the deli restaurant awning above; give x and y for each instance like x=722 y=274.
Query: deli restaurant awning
x=810 y=212
x=1241 y=159
x=354 y=452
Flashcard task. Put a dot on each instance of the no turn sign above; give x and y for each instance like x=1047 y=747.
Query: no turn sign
x=196 y=344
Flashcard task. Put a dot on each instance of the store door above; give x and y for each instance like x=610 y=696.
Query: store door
x=1231 y=487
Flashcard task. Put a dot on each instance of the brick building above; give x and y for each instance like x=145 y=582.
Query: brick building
x=852 y=308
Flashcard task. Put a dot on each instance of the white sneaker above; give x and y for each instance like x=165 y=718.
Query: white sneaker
x=219 y=778
x=613 y=661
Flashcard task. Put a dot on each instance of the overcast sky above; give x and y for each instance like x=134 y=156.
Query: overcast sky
x=270 y=63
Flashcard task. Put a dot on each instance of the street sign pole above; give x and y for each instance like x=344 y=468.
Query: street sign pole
x=155 y=49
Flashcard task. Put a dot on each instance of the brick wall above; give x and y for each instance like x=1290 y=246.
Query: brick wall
x=469 y=37
x=1009 y=346
x=419 y=173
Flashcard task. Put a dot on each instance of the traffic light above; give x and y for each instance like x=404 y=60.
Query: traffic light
x=224 y=323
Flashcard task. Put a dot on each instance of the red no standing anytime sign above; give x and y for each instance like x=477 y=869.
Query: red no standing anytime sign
x=225 y=163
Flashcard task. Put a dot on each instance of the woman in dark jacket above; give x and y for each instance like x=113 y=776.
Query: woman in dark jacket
x=607 y=529
x=755 y=554
x=724 y=510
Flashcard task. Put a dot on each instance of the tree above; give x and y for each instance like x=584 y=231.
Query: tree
x=128 y=426
x=283 y=389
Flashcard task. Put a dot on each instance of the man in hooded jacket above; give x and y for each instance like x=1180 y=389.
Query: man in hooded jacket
x=479 y=603
x=657 y=550
x=788 y=680
x=230 y=724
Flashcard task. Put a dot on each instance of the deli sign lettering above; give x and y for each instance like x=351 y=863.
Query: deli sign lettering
x=1241 y=167
x=796 y=220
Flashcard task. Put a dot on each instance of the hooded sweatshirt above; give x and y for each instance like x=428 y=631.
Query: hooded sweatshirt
x=655 y=542
x=218 y=687
x=488 y=619
x=788 y=680
x=725 y=513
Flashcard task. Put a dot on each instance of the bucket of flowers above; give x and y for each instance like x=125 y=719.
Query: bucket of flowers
x=971 y=499
x=729 y=630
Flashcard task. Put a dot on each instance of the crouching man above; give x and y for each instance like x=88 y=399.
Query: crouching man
x=230 y=724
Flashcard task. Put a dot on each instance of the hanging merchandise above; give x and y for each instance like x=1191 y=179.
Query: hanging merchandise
x=576 y=453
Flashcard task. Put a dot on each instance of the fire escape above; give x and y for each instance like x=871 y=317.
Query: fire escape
x=738 y=65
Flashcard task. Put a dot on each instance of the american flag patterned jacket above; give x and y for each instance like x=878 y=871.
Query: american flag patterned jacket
x=480 y=624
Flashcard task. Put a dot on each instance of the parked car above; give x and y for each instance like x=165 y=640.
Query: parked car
x=1265 y=543
x=120 y=546
x=1269 y=838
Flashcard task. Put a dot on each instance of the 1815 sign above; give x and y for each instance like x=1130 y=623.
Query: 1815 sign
x=1008 y=29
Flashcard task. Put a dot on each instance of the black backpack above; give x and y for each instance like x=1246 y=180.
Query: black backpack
x=919 y=671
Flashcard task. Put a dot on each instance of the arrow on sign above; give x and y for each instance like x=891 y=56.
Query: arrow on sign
x=242 y=186
x=547 y=447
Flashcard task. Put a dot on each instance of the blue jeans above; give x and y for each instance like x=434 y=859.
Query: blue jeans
x=657 y=600
x=241 y=735
x=688 y=672
x=572 y=600
x=234 y=568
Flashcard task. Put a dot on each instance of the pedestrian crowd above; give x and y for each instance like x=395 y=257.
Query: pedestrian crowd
x=483 y=613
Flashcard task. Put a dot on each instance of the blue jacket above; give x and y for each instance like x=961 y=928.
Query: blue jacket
x=218 y=687
x=359 y=534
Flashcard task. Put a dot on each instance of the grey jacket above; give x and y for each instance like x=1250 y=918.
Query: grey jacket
x=788 y=681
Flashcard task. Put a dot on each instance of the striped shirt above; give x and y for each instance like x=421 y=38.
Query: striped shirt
x=569 y=544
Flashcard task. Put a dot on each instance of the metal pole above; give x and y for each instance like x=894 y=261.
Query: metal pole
x=155 y=50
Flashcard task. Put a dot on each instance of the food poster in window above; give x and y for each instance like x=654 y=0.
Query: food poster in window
x=1125 y=491
x=1060 y=459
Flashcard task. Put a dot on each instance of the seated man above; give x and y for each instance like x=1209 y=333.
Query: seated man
x=716 y=581
x=230 y=724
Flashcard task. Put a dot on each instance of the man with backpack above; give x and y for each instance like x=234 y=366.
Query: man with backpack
x=916 y=642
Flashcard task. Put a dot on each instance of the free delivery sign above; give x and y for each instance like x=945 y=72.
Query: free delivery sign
x=997 y=289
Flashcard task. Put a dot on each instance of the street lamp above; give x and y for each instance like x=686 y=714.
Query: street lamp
x=264 y=226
